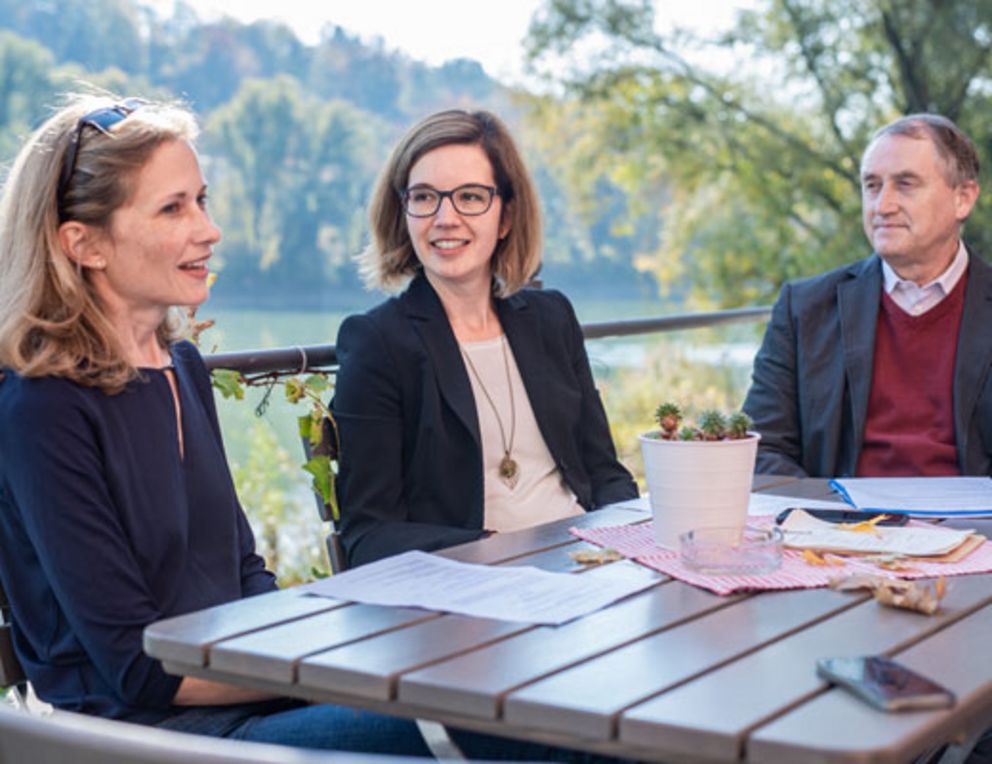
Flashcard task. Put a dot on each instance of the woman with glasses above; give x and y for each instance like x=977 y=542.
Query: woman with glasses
x=117 y=507
x=465 y=404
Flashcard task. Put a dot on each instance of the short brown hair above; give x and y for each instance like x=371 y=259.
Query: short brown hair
x=51 y=322
x=953 y=146
x=389 y=261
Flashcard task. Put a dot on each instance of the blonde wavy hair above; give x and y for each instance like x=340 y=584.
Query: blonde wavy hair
x=390 y=261
x=51 y=322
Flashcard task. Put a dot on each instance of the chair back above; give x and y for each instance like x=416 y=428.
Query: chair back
x=67 y=737
x=11 y=673
x=328 y=447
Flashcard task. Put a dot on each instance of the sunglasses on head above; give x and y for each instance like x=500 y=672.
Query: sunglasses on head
x=103 y=119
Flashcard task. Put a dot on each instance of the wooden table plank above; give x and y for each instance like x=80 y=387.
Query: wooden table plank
x=761 y=685
x=763 y=483
x=557 y=559
x=474 y=684
x=836 y=727
x=186 y=638
x=272 y=653
x=586 y=700
x=370 y=668
x=505 y=546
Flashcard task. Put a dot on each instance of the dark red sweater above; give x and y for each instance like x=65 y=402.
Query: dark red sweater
x=909 y=429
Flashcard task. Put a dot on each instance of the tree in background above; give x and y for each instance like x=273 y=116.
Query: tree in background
x=757 y=135
x=24 y=82
x=294 y=135
x=292 y=174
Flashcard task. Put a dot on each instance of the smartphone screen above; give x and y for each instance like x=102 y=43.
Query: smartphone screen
x=845 y=516
x=884 y=683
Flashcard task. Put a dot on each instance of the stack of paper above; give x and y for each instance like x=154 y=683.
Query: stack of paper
x=506 y=593
x=922 y=496
x=803 y=531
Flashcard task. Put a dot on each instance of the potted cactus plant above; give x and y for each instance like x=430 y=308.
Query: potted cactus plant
x=698 y=474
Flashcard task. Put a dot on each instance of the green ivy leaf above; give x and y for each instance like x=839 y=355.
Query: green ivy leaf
x=316 y=427
x=229 y=383
x=294 y=389
x=304 y=423
x=319 y=573
x=317 y=383
x=323 y=482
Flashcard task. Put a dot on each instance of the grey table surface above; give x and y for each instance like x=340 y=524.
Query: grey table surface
x=671 y=674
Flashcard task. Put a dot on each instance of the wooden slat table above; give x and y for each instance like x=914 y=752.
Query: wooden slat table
x=672 y=674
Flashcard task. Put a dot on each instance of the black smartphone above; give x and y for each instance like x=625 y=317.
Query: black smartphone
x=845 y=516
x=884 y=683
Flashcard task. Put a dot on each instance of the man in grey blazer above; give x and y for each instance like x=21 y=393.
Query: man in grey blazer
x=841 y=386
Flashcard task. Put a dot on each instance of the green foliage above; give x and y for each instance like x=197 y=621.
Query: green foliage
x=630 y=392
x=311 y=390
x=228 y=383
x=760 y=162
x=294 y=137
x=288 y=532
x=294 y=174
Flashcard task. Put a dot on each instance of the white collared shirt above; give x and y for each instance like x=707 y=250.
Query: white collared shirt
x=917 y=300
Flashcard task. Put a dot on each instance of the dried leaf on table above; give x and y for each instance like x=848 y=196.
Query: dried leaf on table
x=813 y=558
x=909 y=595
x=865 y=526
x=595 y=556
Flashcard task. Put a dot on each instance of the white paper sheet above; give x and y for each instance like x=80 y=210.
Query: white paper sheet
x=803 y=531
x=770 y=504
x=759 y=504
x=926 y=496
x=522 y=594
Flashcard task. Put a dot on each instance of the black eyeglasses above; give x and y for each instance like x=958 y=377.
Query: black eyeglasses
x=469 y=199
x=101 y=119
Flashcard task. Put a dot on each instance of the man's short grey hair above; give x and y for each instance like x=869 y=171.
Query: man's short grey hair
x=953 y=146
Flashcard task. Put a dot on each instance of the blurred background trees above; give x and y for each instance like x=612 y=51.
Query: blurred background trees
x=706 y=171
x=756 y=135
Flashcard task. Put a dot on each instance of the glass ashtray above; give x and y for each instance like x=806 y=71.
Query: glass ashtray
x=731 y=551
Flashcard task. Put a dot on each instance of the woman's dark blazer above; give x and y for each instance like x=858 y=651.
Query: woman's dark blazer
x=411 y=458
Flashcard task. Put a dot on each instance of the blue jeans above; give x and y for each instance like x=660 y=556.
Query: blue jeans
x=294 y=723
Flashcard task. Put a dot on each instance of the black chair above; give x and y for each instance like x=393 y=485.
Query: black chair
x=328 y=447
x=12 y=676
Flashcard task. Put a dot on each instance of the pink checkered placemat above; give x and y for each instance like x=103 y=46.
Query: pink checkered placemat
x=636 y=542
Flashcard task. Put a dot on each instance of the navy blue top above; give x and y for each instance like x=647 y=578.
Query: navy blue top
x=105 y=528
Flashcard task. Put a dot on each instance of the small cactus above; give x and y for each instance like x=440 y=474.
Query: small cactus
x=669 y=417
x=713 y=425
x=738 y=425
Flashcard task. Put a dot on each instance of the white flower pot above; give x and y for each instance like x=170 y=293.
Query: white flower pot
x=697 y=484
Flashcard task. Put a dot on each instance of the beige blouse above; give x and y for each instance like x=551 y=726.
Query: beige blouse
x=540 y=494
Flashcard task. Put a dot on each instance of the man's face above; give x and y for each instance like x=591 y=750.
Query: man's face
x=912 y=214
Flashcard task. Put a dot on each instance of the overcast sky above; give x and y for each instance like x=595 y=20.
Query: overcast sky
x=435 y=31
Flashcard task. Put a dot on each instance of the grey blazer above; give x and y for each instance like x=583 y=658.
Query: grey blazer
x=812 y=375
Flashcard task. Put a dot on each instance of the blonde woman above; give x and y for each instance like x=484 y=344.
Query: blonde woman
x=116 y=504
x=466 y=403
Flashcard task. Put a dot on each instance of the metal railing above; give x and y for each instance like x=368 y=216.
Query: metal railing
x=323 y=357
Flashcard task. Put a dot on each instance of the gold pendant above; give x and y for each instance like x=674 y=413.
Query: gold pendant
x=509 y=472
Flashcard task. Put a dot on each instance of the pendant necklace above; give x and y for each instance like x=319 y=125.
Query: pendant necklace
x=509 y=470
